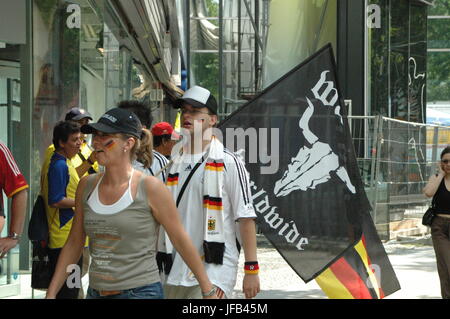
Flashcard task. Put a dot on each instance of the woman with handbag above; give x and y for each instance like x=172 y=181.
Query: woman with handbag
x=438 y=187
x=120 y=210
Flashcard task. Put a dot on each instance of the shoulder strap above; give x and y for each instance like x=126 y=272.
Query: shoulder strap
x=81 y=156
x=90 y=185
x=141 y=188
x=186 y=182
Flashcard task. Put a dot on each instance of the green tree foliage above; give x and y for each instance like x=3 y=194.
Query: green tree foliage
x=439 y=62
x=206 y=69
x=205 y=66
x=213 y=8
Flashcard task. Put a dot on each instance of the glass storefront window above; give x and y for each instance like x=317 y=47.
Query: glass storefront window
x=78 y=62
x=396 y=79
x=92 y=73
x=397 y=61
x=57 y=54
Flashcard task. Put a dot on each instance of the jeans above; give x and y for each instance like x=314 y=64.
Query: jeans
x=152 y=291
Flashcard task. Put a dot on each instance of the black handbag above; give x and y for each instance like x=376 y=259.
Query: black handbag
x=428 y=217
x=41 y=270
x=38 y=225
x=38 y=233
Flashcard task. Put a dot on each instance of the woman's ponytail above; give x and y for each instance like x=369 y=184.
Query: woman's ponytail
x=144 y=152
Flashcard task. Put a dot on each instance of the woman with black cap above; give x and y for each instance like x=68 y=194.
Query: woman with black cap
x=120 y=210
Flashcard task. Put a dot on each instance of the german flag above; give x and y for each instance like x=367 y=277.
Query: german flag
x=212 y=202
x=214 y=166
x=352 y=276
x=172 y=179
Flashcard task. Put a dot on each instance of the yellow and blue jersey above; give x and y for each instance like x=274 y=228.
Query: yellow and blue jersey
x=59 y=179
x=76 y=160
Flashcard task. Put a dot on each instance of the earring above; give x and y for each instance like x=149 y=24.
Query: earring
x=124 y=150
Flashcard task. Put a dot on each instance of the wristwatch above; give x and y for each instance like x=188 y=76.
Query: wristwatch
x=14 y=236
x=210 y=293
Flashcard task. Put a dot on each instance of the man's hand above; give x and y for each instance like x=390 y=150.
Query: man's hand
x=93 y=157
x=250 y=285
x=6 y=244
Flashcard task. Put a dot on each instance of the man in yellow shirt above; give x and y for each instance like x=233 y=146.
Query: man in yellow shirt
x=85 y=161
x=59 y=181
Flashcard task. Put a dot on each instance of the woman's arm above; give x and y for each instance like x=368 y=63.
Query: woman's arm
x=165 y=212
x=73 y=248
x=433 y=183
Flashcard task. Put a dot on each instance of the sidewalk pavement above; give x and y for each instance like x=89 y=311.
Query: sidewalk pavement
x=414 y=263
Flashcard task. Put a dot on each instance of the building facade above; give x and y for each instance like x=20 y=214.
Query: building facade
x=58 y=54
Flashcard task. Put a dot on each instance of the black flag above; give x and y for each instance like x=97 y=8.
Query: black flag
x=305 y=181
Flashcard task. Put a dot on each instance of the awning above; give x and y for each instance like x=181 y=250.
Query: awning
x=153 y=38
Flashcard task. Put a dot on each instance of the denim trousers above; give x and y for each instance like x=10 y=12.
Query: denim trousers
x=152 y=291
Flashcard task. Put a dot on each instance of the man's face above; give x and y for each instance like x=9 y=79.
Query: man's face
x=200 y=117
x=73 y=145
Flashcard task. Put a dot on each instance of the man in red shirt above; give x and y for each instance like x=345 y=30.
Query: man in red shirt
x=15 y=186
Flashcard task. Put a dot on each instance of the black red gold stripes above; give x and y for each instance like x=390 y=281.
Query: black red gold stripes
x=213 y=166
x=172 y=179
x=352 y=276
x=212 y=202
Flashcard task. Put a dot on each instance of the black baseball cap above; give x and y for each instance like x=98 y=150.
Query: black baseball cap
x=198 y=96
x=76 y=114
x=116 y=121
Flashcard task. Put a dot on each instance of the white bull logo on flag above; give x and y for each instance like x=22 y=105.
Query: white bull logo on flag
x=313 y=166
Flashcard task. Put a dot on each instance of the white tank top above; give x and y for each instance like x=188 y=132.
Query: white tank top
x=121 y=204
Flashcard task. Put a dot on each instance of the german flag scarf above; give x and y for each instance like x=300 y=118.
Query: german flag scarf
x=214 y=240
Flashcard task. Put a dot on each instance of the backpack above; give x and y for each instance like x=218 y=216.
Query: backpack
x=38 y=225
x=38 y=233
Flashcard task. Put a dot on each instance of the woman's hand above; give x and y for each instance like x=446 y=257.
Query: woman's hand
x=440 y=168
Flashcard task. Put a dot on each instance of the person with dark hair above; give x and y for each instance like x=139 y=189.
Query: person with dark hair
x=14 y=185
x=84 y=162
x=164 y=138
x=158 y=162
x=140 y=109
x=59 y=181
x=120 y=210
x=438 y=187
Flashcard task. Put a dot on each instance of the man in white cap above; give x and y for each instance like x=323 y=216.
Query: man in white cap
x=211 y=189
